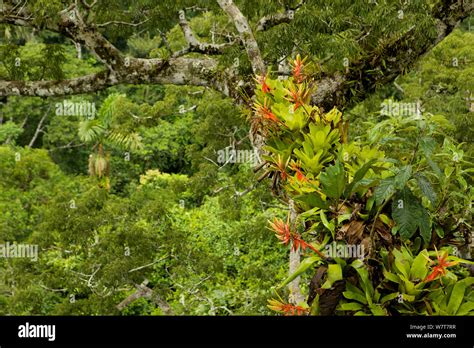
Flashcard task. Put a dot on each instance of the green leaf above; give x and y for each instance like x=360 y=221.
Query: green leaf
x=384 y=190
x=377 y=310
x=329 y=225
x=410 y=215
x=358 y=176
x=403 y=176
x=427 y=145
x=419 y=268
x=457 y=295
x=312 y=200
x=391 y=276
x=303 y=267
x=354 y=293
x=426 y=188
x=333 y=180
x=334 y=274
x=315 y=306
x=466 y=308
x=366 y=283
x=389 y=297
x=351 y=306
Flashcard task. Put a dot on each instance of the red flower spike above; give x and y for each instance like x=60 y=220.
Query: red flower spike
x=299 y=175
x=286 y=308
x=440 y=268
x=262 y=81
x=265 y=111
x=282 y=230
x=283 y=233
x=297 y=95
x=297 y=71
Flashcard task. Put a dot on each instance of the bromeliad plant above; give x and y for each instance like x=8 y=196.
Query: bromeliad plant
x=340 y=191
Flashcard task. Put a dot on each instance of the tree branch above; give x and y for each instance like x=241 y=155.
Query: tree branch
x=383 y=64
x=39 y=128
x=270 y=21
x=176 y=71
x=246 y=35
x=144 y=291
x=194 y=45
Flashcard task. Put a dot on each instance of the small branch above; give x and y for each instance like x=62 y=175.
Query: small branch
x=147 y=265
x=270 y=21
x=247 y=190
x=53 y=290
x=39 y=128
x=194 y=45
x=70 y=145
x=122 y=23
x=86 y=5
x=144 y=291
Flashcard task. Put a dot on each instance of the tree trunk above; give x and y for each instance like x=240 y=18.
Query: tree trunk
x=295 y=291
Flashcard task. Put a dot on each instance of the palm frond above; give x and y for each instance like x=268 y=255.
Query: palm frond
x=109 y=108
x=131 y=141
x=90 y=130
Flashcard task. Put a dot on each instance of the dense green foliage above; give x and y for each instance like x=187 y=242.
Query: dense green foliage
x=132 y=189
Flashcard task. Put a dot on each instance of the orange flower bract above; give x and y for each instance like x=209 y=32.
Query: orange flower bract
x=297 y=71
x=440 y=268
x=283 y=232
x=262 y=81
x=286 y=308
x=264 y=111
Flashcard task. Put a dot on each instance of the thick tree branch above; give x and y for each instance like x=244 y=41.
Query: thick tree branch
x=246 y=35
x=176 y=71
x=389 y=60
x=378 y=67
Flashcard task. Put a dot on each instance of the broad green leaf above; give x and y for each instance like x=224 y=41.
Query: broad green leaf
x=366 y=283
x=402 y=177
x=329 y=225
x=351 y=295
x=466 y=308
x=391 y=276
x=351 y=306
x=456 y=298
x=384 y=190
x=419 y=267
x=410 y=215
x=389 y=297
x=333 y=180
x=426 y=188
x=312 y=200
x=315 y=306
x=334 y=273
